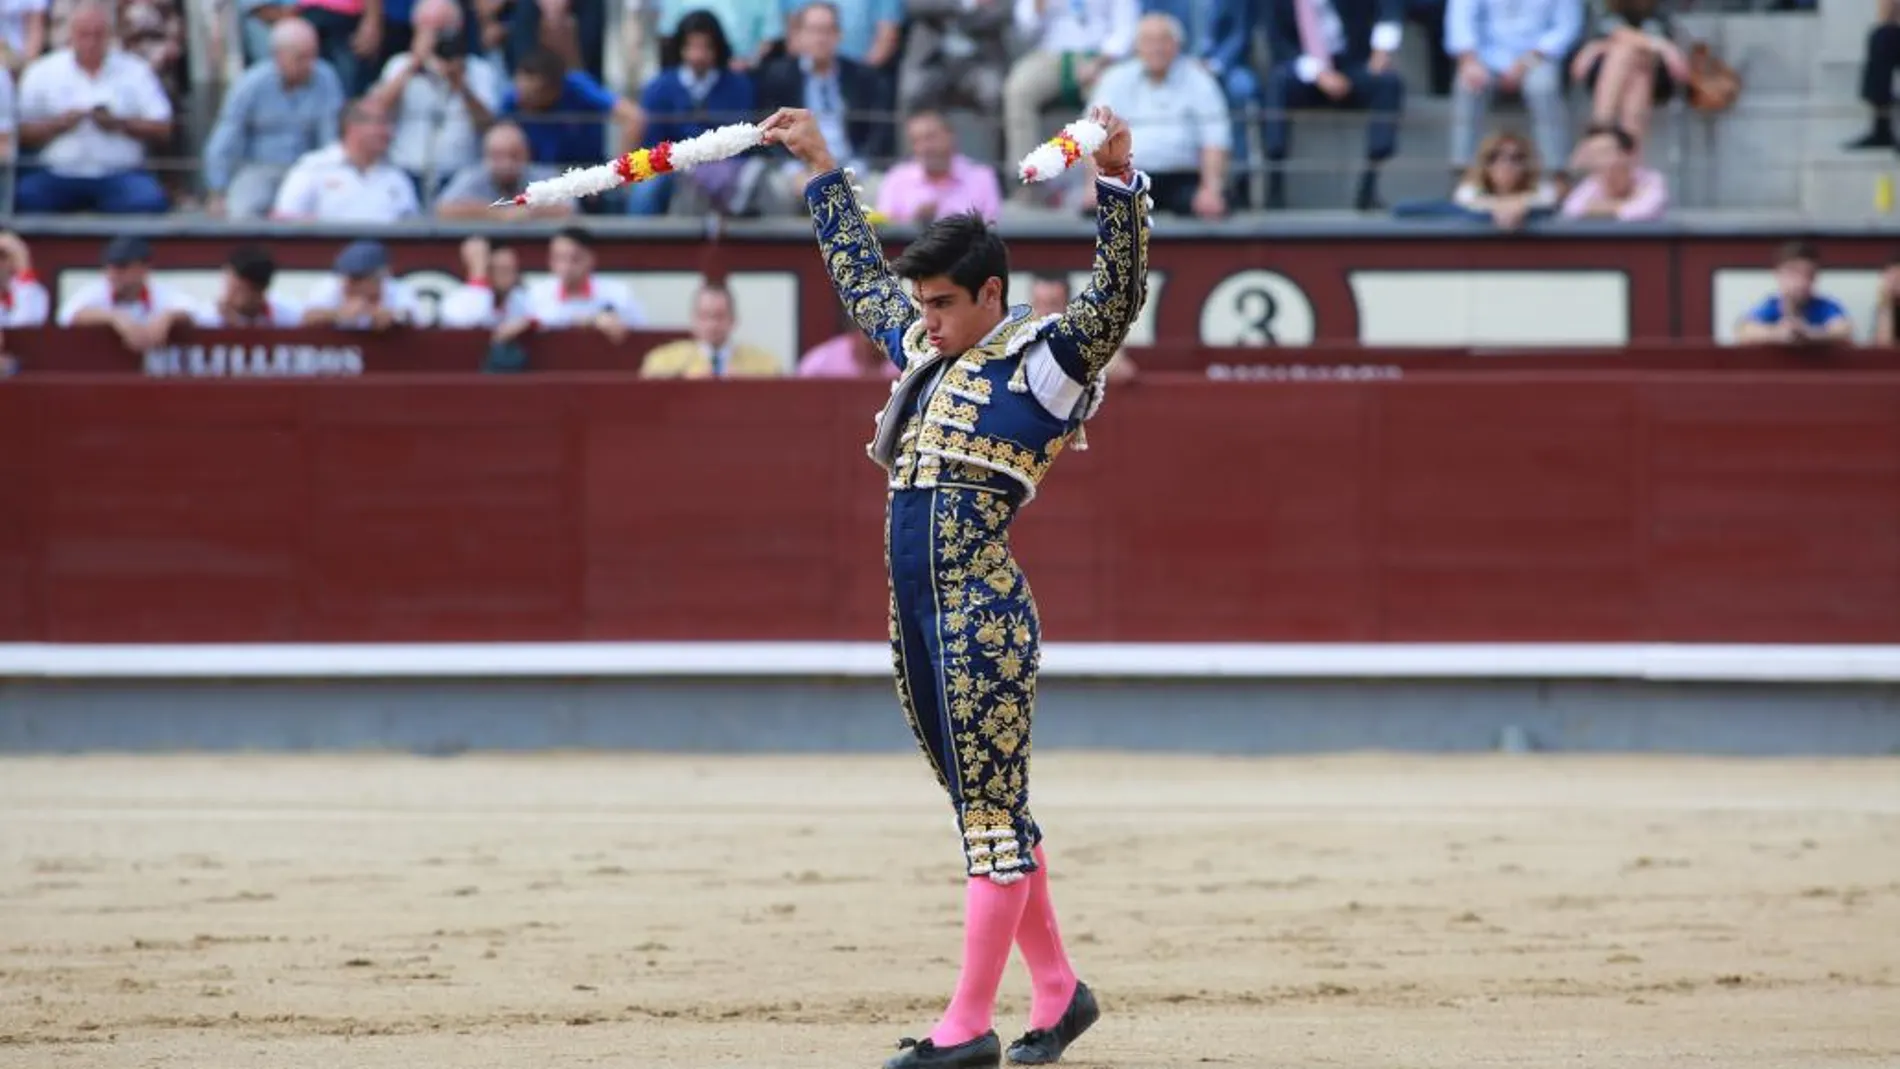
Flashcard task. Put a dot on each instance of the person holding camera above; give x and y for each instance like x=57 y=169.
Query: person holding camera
x=92 y=111
x=439 y=97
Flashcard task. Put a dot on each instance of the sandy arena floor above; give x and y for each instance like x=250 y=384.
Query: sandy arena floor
x=1375 y=911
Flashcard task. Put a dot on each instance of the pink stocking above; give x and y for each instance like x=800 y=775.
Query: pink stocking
x=1051 y=977
x=992 y=913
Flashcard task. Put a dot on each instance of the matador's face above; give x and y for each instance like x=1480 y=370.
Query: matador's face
x=954 y=318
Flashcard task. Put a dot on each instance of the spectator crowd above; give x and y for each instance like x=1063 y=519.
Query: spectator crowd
x=379 y=111
x=360 y=292
x=375 y=111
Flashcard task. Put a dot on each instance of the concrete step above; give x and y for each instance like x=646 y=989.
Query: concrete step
x=1843 y=189
x=1835 y=81
x=1840 y=31
x=1740 y=159
x=1772 y=52
x=1824 y=136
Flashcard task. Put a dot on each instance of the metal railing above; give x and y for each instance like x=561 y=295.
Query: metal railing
x=1683 y=145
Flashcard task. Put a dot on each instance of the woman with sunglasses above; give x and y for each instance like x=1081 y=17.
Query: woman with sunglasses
x=1505 y=183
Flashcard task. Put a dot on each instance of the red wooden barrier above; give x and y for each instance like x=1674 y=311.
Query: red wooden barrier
x=285 y=354
x=308 y=354
x=1561 y=507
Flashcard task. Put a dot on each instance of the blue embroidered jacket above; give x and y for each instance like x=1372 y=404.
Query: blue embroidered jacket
x=968 y=418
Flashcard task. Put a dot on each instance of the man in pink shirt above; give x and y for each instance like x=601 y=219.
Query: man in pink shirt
x=1618 y=188
x=939 y=181
x=847 y=355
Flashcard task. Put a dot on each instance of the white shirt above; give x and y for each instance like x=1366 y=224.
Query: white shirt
x=325 y=185
x=1106 y=27
x=397 y=297
x=470 y=306
x=157 y=299
x=434 y=133
x=125 y=84
x=1172 y=120
x=24 y=303
x=13 y=15
x=553 y=309
x=277 y=313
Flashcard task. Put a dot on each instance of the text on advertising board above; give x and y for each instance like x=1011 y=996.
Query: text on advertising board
x=290 y=361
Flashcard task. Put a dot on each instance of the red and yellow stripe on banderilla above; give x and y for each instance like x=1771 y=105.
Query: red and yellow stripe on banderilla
x=642 y=164
x=1071 y=148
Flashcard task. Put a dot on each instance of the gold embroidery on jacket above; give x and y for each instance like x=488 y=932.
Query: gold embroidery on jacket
x=990 y=658
x=1097 y=322
x=854 y=258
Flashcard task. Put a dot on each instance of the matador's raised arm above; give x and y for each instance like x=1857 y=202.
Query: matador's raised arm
x=1097 y=321
x=854 y=258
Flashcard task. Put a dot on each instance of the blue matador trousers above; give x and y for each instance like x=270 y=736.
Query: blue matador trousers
x=966 y=645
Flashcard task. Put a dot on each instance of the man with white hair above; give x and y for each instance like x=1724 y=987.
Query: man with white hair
x=279 y=109
x=92 y=111
x=1178 y=114
x=440 y=97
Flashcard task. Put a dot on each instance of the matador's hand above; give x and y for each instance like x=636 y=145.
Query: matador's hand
x=798 y=131
x=1116 y=156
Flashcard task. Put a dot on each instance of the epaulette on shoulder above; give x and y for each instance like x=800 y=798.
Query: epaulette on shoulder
x=1032 y=331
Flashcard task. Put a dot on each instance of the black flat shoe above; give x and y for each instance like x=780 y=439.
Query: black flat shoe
x=983 y=1052
x=1044 y=1046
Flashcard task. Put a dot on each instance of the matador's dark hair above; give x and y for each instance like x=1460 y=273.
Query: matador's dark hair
x=963 y=248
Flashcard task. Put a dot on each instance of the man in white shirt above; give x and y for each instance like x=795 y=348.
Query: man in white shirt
x=246 y=300
x=360 y=295
x=23 y=298
x=350 y=181
x=493 y=295
x=441 y=97
x=1073 y=42
x=1178 y=115
x=573 y=297
x=142 y=312
x=92 y=111
x=24 y=301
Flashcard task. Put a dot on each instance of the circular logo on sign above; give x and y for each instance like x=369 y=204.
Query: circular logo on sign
x=430 y=288
x=1257 y=308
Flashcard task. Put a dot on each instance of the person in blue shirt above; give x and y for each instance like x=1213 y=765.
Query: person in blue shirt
x=1794 y=314
x=695 y=91
x=564 y=112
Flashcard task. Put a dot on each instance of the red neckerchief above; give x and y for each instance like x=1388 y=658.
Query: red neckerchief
x=585 y=293
x=23 y=278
